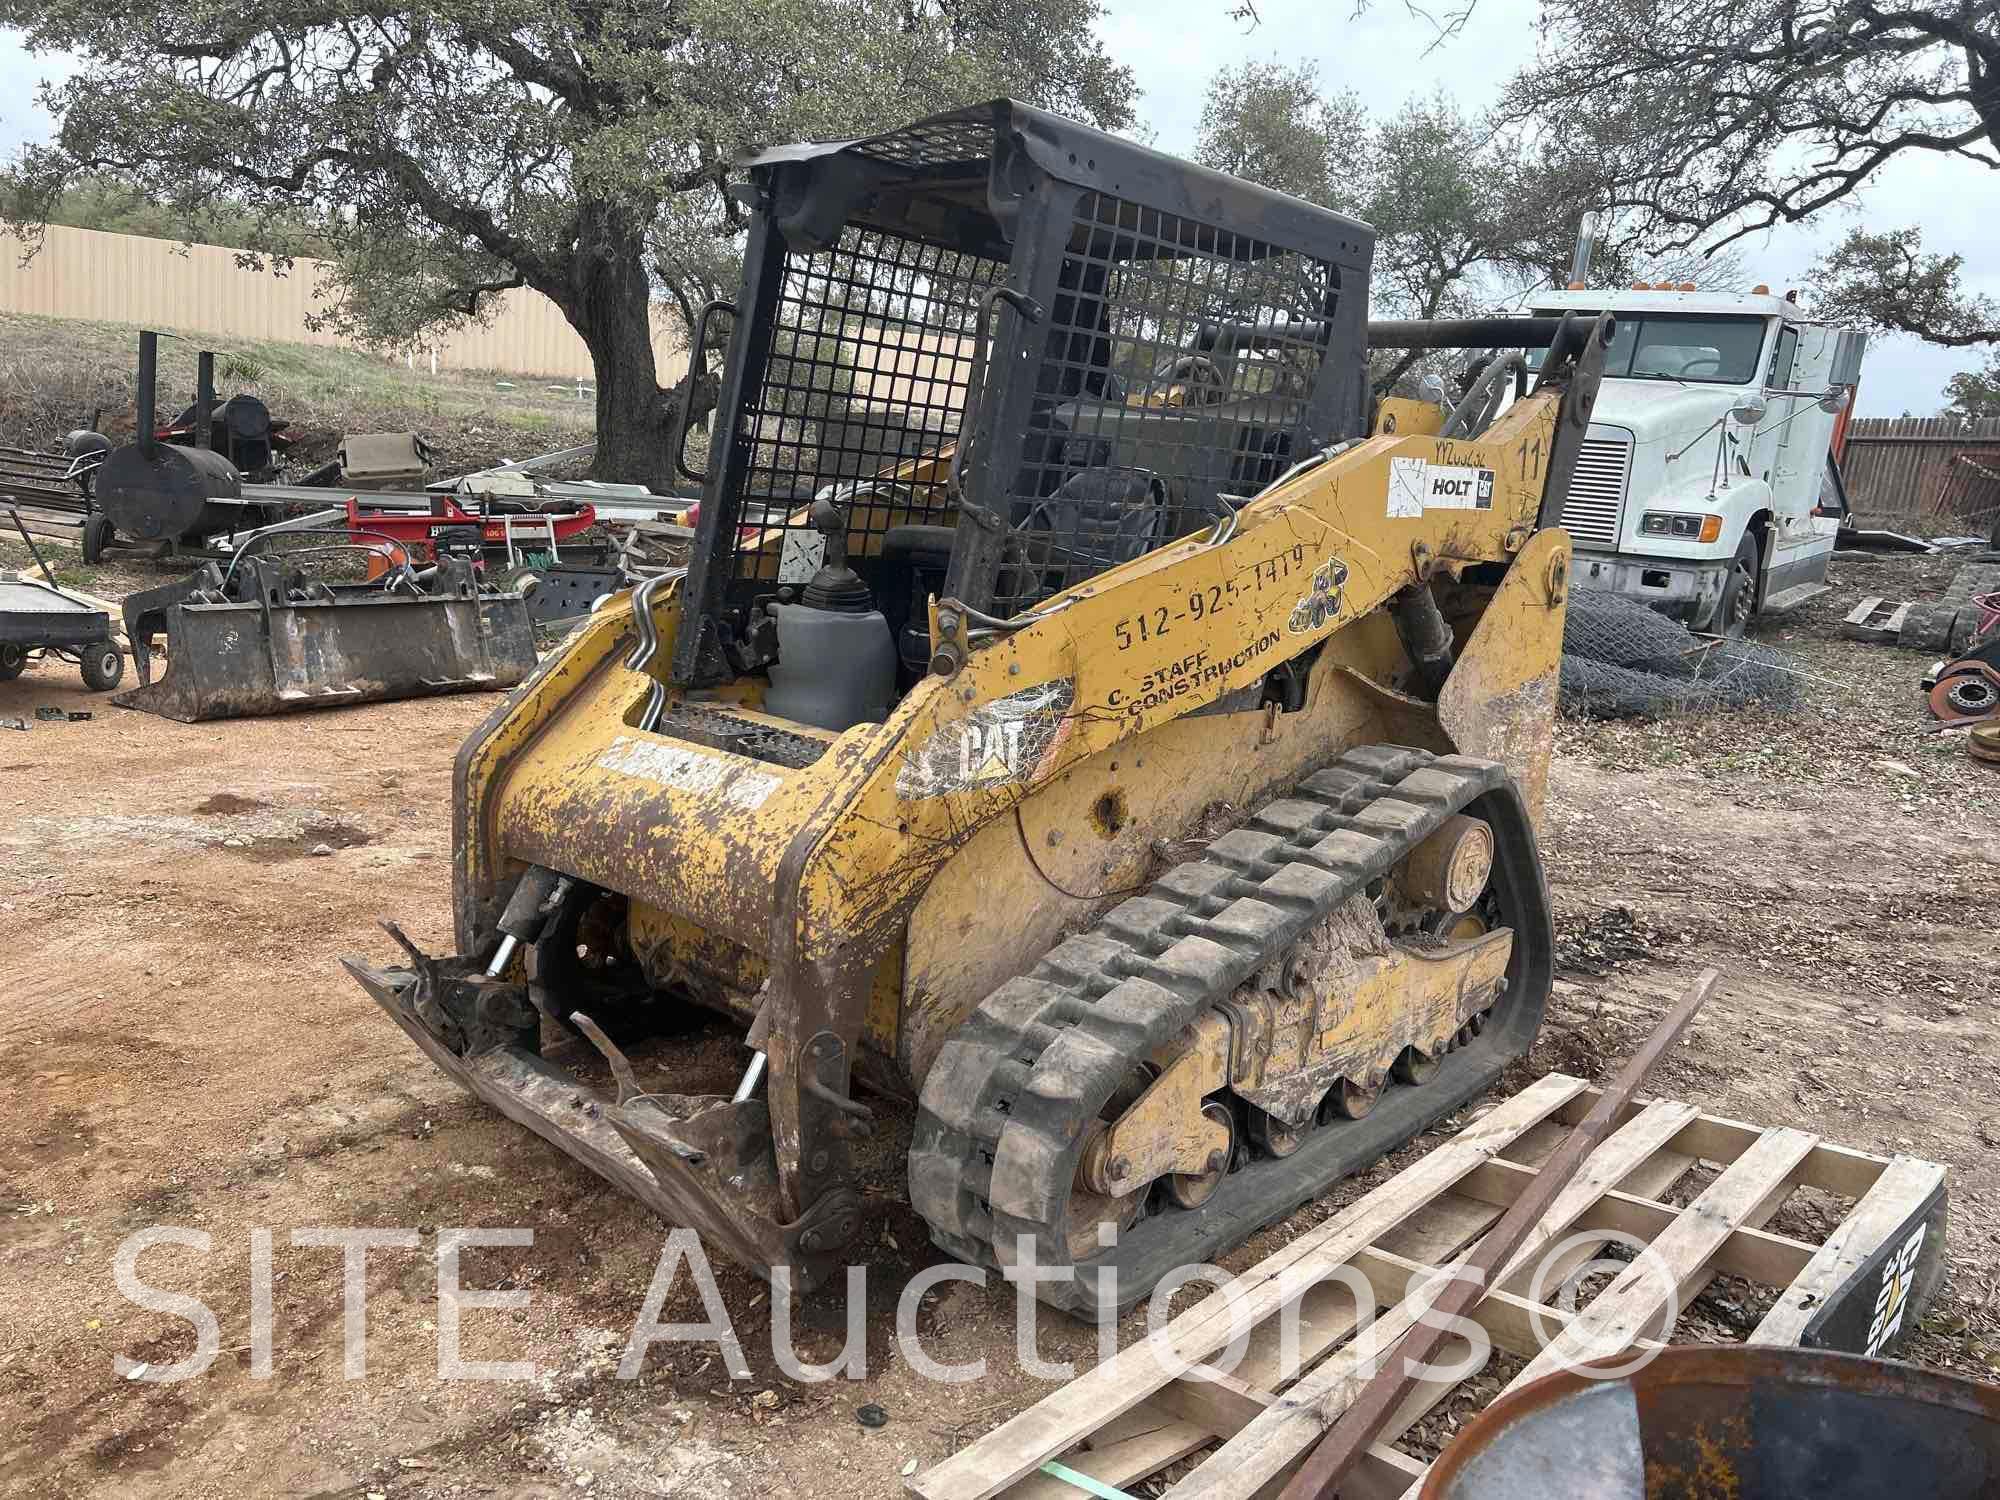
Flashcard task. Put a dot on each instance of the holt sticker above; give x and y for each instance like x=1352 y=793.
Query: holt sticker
x=1416 y=486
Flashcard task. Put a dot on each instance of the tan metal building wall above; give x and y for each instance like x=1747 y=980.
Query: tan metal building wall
x=123 y=278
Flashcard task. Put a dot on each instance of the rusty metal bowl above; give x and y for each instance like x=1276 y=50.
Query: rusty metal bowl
x=1732 y=1423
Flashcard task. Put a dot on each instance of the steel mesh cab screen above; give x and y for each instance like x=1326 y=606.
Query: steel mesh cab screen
x=1178 y=364
x=871 y=348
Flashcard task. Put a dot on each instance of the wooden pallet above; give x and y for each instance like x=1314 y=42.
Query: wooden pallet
x=1145 y=1409
x=1875 y=620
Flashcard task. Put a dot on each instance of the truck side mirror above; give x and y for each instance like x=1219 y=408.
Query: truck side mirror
x=1834 y=400
x=1749 y=411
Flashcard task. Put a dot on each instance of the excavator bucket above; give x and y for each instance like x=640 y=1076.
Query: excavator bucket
x=261 y=639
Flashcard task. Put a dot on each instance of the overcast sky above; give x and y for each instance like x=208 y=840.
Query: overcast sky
x=1176 y=45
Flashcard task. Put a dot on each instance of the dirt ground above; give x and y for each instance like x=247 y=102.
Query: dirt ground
x=183 y=1049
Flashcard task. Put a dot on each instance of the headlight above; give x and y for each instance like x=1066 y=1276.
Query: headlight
x=1693 y=528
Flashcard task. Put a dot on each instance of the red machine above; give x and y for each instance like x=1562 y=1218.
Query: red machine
x=503 y=531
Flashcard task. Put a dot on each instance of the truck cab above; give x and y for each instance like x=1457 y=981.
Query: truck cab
x=1707 y=485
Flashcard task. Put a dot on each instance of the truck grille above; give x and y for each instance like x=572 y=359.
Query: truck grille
x=1594 y=509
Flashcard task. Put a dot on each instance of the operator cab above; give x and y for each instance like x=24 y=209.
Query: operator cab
x=986 y=358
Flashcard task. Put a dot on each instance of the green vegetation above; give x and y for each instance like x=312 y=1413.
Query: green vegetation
x=100 y=201
x=54 y=373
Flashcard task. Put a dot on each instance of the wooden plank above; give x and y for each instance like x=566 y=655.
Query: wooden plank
x=1510 y=1319
x=1435 y=1233
x=1755 y=1183
x=1117 y=1464
x=1720 y=1231
x=1276 y=1440
x=1383 y=1473
x=1221 y=1404
x=1902 y=1188
x=1147 y=1416
x=1327 y=1313
x=1758 y=1254
x=1521 y=1230
x=50 y=531
x=1517 y=1334
x=1061 y=1420
x=1829 y=1167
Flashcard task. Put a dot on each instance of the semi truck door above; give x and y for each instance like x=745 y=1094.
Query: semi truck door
x=1796 y=551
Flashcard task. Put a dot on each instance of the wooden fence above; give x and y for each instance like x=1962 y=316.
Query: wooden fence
x=126 y=278
x=1943 y=467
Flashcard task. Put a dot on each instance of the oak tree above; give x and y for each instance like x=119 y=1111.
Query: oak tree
x=449 y=150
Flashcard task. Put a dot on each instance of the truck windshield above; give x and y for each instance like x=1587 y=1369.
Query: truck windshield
x=1712 y=350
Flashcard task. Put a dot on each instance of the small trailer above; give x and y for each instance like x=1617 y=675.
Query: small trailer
x=38 y=617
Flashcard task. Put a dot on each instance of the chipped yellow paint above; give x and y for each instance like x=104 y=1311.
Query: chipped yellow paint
x=818 y=869
x=1352 y=1024
x=1055 y=869
x=1500 y=700
x=1405 y=999
x=1164 y=1130
x=1408 y=417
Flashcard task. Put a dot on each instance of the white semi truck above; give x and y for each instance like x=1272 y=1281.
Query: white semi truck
x=1706 y=485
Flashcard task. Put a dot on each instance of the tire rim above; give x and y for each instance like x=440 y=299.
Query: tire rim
x=1745 y=598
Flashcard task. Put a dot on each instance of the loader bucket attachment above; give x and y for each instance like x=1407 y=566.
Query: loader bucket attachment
x=259 y=640
x=705 y=1162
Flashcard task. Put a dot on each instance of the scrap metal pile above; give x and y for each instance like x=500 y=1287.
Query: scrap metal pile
x=1966 y=690
x=1622 y=660
x=1962 y=687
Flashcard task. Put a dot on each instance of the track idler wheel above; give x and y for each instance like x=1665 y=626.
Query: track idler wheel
x=1416 y=1068
x=1350 y=1100
x=1192 y=1189
x=1089 y=1209
x=1273 y=1137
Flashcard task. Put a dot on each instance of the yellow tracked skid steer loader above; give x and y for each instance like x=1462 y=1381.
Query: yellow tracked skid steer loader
x=1074 y=718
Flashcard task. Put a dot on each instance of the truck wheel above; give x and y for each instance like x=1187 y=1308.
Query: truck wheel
x=1739 y=593
x=103 y=666
x=96 y=537
x=13 y=662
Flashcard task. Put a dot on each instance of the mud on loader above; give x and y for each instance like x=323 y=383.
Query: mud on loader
x=1073 y=718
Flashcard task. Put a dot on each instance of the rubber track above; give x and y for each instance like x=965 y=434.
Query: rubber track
x=1002 y=1110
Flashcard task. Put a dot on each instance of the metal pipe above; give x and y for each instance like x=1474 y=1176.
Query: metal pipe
x=502 y=956
x=34 y=551
x=1586 y=247
x=1465 y=333
x=149 y=358
x=752 y=1076
x=204 y=397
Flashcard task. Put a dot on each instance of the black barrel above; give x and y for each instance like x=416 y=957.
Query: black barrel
x=1745 y=1422
x=153 y=492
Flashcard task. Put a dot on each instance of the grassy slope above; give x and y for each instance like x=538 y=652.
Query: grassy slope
x=55 y=372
